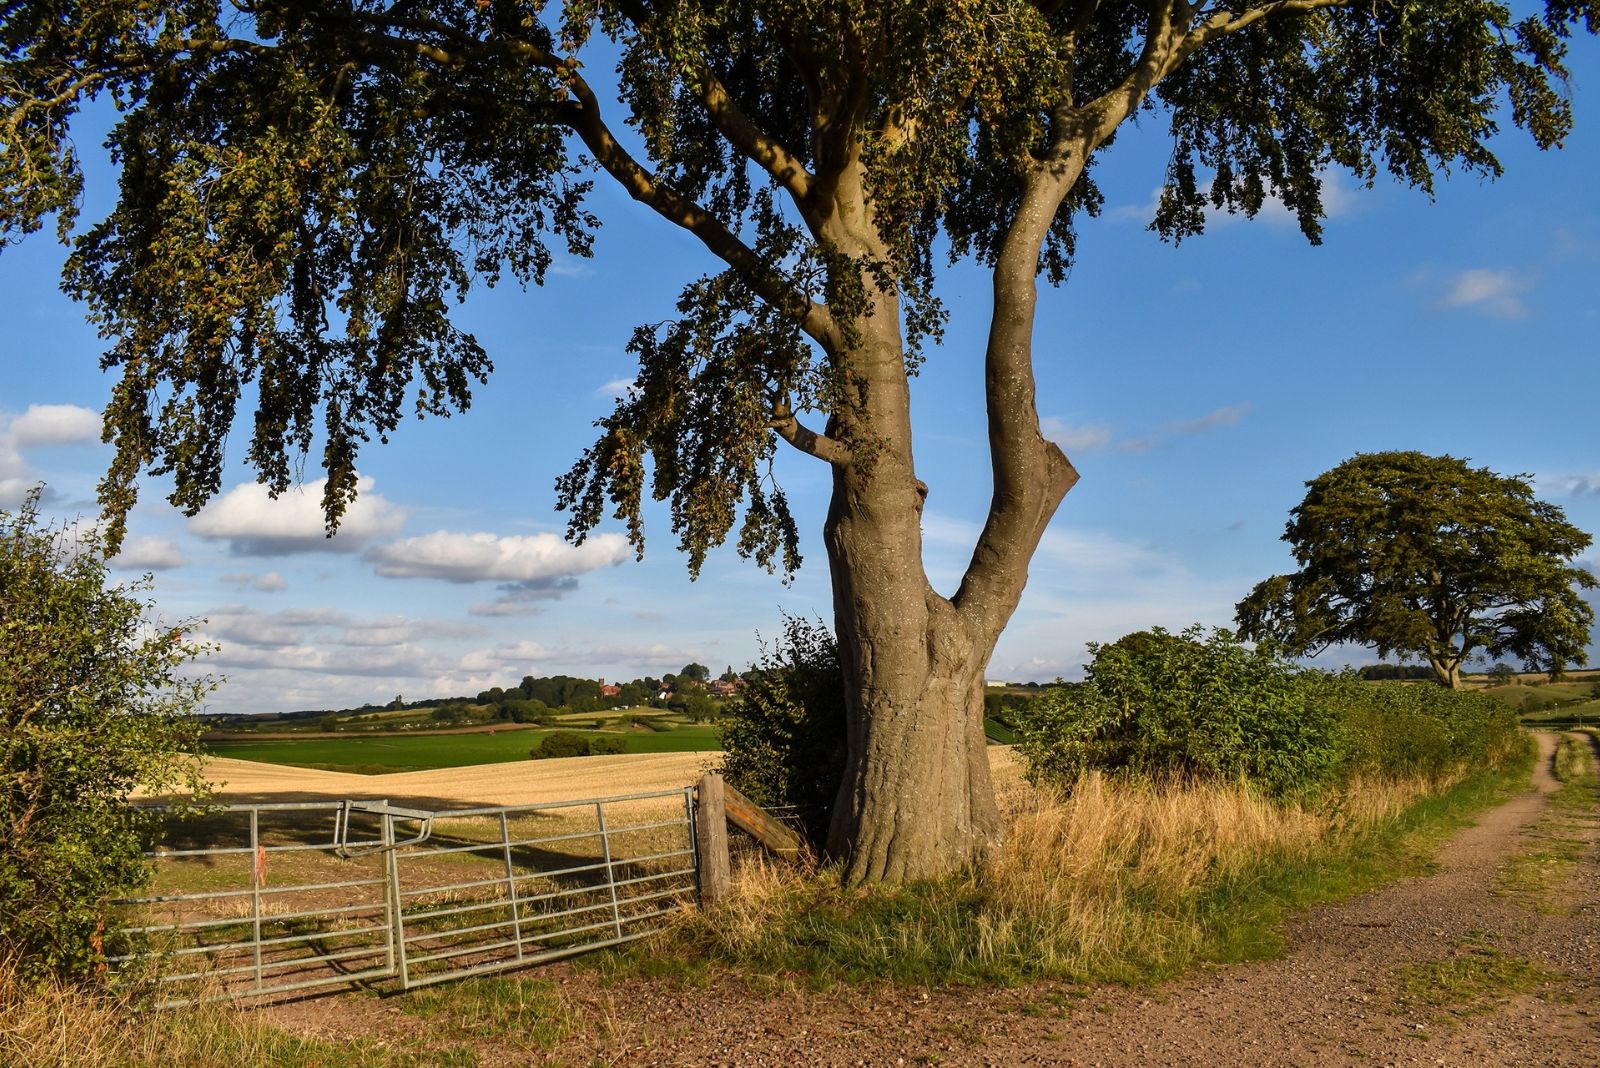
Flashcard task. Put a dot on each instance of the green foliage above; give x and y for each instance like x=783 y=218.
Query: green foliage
x=306 y=190
x=1426 y=556
x=573 y=744
x=1159 y=705
x=1163 y=705
x=94 y=703
x=1395 y=672
x=693 y=704
x=1396 y=730
x=784 y=737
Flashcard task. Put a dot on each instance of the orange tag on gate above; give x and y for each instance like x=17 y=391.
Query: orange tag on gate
x=261 y=865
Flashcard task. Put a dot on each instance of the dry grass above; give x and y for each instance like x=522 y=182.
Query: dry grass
x=70 y=1027
x=1115 y=880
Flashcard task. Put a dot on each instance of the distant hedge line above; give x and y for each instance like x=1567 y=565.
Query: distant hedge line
x=1199 y=705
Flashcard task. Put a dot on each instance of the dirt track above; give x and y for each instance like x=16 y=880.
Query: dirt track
x=1336 y=998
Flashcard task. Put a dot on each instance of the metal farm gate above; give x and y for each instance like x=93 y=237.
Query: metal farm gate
x=271 y=899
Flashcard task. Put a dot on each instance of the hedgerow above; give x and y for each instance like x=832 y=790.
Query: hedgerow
x=1203 y=705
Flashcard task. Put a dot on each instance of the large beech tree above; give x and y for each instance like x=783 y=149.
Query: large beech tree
x=307 y=186
x=1428 y=556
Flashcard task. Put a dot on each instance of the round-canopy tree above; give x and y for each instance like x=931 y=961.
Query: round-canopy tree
x=306 y=186
x=1427 y=556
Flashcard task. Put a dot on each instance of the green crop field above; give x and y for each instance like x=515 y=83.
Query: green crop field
x=389 y=752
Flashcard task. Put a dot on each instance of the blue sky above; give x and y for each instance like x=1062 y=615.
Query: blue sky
x=1195 y=388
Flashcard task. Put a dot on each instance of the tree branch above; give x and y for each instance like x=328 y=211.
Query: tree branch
x=1169 y=40
x=1031 y=475
x=797 y=434
x=583 y=118
x=748 y=139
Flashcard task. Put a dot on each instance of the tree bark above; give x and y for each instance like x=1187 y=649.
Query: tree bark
x=916 y=800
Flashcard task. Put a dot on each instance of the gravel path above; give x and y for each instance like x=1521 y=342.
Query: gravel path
x=1339 y=996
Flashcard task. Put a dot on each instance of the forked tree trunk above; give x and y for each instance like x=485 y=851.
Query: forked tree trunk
x=916 y=800
x=1447 y=672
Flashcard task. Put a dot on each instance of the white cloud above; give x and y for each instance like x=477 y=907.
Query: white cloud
x=493 y=660
x=531 y=564
x=256 y=525
x=269 y=582
x=1075 y=438
x=617 y=387
x=1496 y=293
x=147 y=554
x=1227 y=416
x=55 y=424
x=41 y=424
x=1568 y=485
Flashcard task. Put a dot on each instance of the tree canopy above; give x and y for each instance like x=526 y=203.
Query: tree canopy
x=1427 y=556
x=307 y=187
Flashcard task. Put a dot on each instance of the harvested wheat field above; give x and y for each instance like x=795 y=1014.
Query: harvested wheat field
x=529 y=782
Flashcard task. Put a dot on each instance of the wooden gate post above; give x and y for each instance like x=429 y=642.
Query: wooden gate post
x=711 y=839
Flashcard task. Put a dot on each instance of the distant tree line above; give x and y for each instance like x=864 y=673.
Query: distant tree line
x=1396 y=672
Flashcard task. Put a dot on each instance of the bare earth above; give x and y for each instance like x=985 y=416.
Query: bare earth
x=1336 y=998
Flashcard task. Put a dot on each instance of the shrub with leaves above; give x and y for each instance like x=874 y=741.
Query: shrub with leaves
x=784 y=739
x=1399 y=730
x=93 y=705
x=1201 y=705
x=573 y=744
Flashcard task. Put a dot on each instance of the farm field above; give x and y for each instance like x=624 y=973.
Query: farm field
x=527 y=782
x=377 y=754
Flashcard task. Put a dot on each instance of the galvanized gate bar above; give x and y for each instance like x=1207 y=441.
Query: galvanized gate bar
x=416 y=920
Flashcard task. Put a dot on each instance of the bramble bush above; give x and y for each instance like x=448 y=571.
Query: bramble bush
x=93 y=705
x=1197 y=705
x=784 y=739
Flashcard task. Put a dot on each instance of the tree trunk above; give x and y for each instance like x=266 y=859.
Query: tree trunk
x=916 y=800
x=1447 y=672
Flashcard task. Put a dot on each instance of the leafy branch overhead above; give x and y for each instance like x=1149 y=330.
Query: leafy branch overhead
x=307 y=188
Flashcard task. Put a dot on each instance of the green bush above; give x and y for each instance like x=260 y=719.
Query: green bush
x=1160 y=705
x=1165 y=705
x=784 y=734
x=92 y=706
x=560 y=744
x=1396 y=730
x=572 y=744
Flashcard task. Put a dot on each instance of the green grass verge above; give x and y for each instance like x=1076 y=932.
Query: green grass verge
x=371 y=754
x=1470 y=981
x=930 y=933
